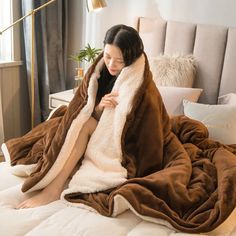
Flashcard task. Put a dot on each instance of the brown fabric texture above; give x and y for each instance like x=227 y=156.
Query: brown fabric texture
x=175 y=172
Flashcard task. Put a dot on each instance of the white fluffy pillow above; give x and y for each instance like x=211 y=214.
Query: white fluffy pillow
x=229 y=98
x=173 y=98
x=173 y=70
x=219 y=119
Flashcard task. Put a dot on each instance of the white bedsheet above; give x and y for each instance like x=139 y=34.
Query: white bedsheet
x=59 y=219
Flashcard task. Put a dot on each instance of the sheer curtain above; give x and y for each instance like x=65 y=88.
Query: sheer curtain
x=5 y=38
x=50 y=51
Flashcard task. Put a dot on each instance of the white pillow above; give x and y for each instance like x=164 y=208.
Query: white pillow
x=229 y=98
x=173 y=98
x=219 y=119
x=176 y=70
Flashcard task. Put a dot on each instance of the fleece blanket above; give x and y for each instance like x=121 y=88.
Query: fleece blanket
x=165 y=171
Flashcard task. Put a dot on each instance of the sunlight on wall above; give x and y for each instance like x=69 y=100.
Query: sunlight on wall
x=6 y=37
x=124 y=11
x=216 y=12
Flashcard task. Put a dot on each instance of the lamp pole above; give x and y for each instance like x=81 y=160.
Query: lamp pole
x=32 y=14
x=92 y=5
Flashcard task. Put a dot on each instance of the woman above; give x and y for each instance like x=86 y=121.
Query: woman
x=136 y=158
x=122 y=47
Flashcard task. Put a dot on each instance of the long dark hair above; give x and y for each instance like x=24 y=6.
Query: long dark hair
x=127 y=39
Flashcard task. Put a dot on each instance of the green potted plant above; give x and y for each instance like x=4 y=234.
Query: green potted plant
x=88 y=54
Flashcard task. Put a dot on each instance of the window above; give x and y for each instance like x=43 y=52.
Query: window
x=6 y=42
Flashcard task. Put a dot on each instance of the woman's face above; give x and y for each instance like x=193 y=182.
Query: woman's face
x=113 y=59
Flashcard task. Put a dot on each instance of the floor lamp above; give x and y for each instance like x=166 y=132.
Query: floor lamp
x=91 y=4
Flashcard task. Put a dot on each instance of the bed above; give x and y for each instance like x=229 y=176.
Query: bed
x=213 y=48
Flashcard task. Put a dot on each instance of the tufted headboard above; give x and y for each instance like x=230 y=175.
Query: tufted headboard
x=214 y=47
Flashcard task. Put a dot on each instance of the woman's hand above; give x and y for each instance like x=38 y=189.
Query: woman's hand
x=108 y=101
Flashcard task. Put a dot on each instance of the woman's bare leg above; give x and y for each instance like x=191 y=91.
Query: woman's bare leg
x=53 y=191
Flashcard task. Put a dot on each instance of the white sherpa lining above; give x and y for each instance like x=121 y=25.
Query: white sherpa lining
x=101 y=168
x=71 y=136
x=6 y=153
x=19 y=170
x=53 y=111
x=22 y=170
x=73 y=131
x=121 y=204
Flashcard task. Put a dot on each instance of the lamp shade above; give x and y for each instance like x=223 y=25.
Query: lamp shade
x=94 y=5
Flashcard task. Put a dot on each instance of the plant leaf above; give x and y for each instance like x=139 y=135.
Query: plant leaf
x=88 y=54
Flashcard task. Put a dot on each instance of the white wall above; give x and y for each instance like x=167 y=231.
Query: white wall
x=91 y=27
x=220 y=12
x=117 y=12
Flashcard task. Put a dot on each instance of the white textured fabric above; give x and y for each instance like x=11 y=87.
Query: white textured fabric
x=229 y=98
x=72 y=134
x=176 y=70
x=101 y=168
x=173 y=98
x=219 y=119
x=79 y=222
x=18 y=170
x=58 y=219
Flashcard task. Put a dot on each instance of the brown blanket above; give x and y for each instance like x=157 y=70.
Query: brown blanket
x=169 y=169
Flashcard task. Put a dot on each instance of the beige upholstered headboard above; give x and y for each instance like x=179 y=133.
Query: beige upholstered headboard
x=214 y=47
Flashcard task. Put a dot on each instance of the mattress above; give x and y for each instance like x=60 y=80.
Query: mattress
x=57 y=218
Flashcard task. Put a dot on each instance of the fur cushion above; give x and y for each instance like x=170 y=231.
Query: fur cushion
x=176 y=70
